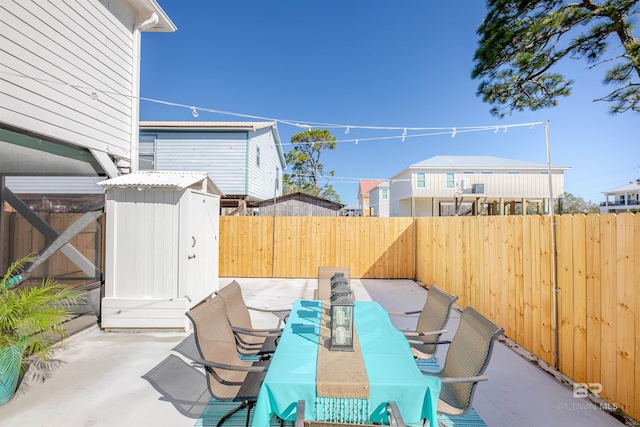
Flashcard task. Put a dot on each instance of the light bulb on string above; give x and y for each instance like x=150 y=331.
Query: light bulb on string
x=356 y=142
x=505 y=129
x=453 y=134
x=194 y=112
x=404 y=135
x=346 y=131
x=496 y=131
x=94 y=95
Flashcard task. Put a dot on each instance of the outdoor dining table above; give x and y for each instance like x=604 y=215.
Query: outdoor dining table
x=390 y=369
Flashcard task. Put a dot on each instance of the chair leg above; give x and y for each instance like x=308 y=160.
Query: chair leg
x=249 y=406
x=233 y=411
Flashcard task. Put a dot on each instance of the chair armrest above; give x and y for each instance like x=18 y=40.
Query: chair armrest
x=258 y=332
x=300 y=414
x=395 y=417
x=421 y=334
x=212 y=364
x=418 y=342
x=270 y=310
x=402 y=313
x=451 y=380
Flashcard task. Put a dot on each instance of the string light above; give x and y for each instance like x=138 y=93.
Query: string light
x=453 y=134
x=433 y=131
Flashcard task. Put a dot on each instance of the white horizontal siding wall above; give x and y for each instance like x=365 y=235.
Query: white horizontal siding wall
x=526 y=184
x=261 y=180
x=223 y=155
x=70 y=47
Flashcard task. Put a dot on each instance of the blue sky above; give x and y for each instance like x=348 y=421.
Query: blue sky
x=379 y=64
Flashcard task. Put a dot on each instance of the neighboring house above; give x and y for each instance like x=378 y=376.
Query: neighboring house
x=458 y=185
x=379 y=199
x=351 y=210
x=245 y=159
x=299 y=204
x=69 y=94
x=363 y=195
x=625 y=198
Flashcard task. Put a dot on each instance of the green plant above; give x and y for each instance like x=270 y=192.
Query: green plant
x=31 y=317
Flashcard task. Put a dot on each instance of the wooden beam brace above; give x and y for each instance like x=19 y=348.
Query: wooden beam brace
x=52 y=235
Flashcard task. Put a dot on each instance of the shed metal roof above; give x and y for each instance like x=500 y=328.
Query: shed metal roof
x=180 y=180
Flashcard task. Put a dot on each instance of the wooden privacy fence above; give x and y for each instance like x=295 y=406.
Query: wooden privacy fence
x=296 y=246
x=502 y=265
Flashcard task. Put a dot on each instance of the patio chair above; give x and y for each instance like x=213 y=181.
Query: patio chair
x=467 y=358
x=431 y=322
x=228 y=377
x=250 y=341
x=395 y=418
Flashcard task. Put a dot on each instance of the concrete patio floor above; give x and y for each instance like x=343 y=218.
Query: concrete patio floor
x=146 y=379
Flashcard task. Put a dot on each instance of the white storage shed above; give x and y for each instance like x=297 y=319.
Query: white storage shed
x=161 y=250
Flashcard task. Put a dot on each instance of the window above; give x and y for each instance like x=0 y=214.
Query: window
x=147 y=152
x=513 y=173
x=385 y=195
x=468 y=172
x=258 y=156
x=544 y=173
x=421 y=180
x=487 y=172
x=451 y=180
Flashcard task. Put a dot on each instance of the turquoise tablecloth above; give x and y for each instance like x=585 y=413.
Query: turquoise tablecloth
x=391 y=369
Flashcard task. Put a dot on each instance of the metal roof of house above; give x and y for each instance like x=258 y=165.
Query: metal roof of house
x=251 y=126
x=632 y=186
x=458 y=162
x=300 y=196
x=147 y=179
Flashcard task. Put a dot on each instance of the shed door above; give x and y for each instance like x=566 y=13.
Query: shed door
x=200 y=218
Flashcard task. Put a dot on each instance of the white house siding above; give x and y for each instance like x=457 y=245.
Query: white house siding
x=404 y=208
x=87 y=44
x=200 y=152
x=400 y=188
x=379 y=204
x=526 y=184
x=261 y=180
